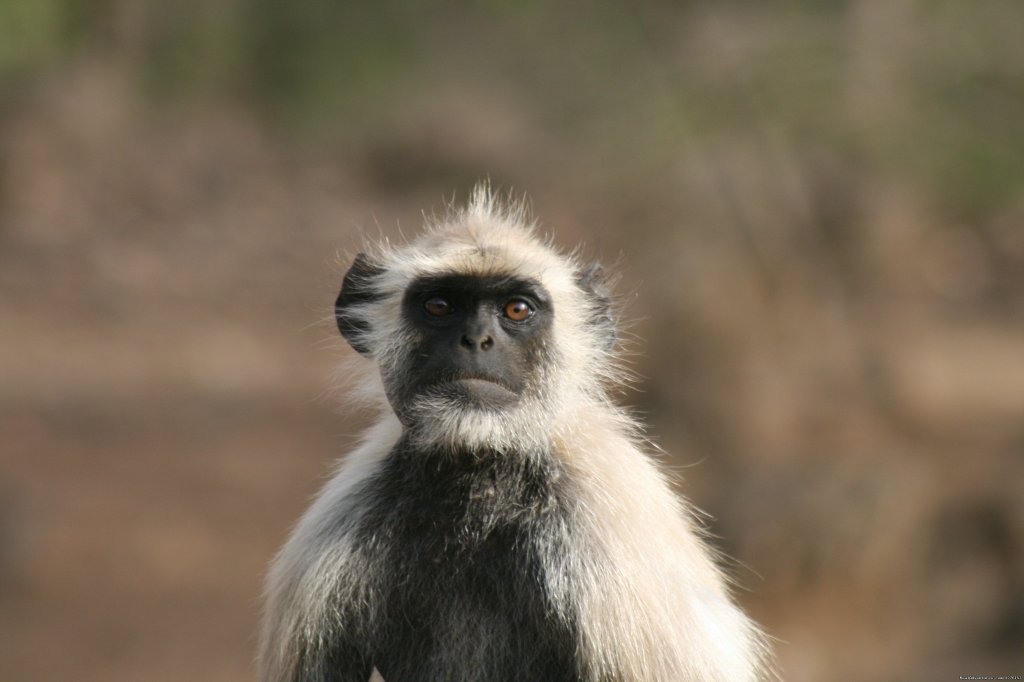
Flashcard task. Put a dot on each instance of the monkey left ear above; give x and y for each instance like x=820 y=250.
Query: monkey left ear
x=593 y=280
x=356 y=288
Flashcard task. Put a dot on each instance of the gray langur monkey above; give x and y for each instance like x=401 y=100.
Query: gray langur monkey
x=502 y=520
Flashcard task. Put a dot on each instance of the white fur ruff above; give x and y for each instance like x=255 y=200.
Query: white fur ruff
x=649 y=602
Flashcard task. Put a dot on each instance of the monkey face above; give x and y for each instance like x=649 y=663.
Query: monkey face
x=476 y=342
x=461 y=326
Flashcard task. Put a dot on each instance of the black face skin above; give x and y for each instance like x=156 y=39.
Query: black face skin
x=479 y=340
x=466 y=347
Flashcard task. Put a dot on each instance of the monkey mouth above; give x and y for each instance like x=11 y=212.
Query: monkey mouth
x=477 y=391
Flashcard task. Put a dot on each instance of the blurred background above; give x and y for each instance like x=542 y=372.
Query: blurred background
x=817 y=211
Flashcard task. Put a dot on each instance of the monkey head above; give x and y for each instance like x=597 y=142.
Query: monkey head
x=481 y=332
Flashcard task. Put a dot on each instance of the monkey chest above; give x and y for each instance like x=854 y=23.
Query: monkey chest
x=469 y=560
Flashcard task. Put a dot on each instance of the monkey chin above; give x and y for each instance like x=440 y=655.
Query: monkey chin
x=473 y=414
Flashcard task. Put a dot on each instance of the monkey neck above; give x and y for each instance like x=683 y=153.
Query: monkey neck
x=412 y=446
x=464 y=489
x=475 y=437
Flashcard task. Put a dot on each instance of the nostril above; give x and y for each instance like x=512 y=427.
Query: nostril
x=485 y=343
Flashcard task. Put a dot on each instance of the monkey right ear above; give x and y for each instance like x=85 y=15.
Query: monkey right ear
x=357 y=289
x=594 y=282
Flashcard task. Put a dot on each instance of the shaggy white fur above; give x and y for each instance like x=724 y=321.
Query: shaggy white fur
x=647 y=598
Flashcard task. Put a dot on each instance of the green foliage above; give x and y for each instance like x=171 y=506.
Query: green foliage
x=965 y=138
x=30 y=34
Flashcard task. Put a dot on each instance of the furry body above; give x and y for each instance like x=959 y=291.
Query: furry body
x=463 y=543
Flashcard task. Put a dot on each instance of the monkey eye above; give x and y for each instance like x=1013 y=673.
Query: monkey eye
x=518 y=310
x=438 y=307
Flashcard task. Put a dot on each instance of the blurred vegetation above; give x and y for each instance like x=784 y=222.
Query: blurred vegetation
x=945 y=116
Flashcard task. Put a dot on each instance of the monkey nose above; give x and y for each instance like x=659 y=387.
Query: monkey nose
x=475 y=342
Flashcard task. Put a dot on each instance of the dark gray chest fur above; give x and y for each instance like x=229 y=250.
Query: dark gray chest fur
x=470 y=544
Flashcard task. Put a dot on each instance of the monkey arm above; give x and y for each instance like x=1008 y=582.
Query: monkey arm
x=318 y=652
x=315 y=628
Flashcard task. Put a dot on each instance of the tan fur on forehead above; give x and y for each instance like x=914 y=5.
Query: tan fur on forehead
x=487 y=237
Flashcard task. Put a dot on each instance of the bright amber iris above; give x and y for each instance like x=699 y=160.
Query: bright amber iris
x=518 y=310
x=438 y=307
